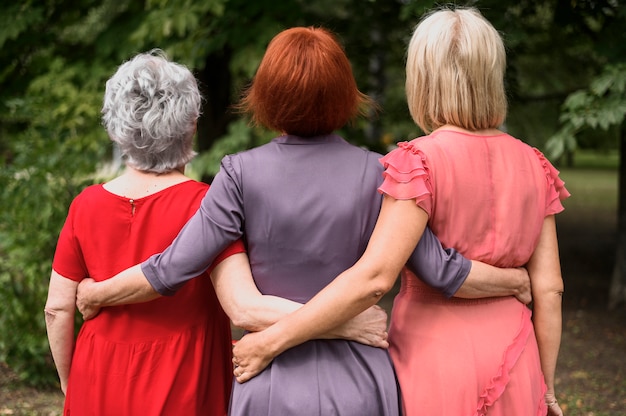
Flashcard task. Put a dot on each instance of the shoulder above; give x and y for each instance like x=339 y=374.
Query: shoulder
x=234 y=160
x=190 y=191
x=91 y=194
x=193 y=184
x=87 y=201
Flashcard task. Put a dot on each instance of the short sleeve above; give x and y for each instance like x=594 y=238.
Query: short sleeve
x=406 y=175
x=68 y=259
x=556 y=187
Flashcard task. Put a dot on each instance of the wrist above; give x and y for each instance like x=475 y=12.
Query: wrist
x=92 y=295
x=518 y=285
x=275 y=341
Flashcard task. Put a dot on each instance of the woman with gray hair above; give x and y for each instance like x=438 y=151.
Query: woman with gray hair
x=170 y=355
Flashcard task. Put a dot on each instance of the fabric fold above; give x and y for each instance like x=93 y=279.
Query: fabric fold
x=498 y=383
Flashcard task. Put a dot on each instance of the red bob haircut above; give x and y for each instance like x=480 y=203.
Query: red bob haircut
x=304 y=85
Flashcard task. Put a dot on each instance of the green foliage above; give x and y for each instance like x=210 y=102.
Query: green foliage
x=240 y=136
x=599 y=107
x=51 y=161
x=51 y=143
x=57 y=55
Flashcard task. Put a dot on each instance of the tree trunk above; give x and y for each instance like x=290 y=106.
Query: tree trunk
x=216 y=86
x=617 y=291
x=378 y=82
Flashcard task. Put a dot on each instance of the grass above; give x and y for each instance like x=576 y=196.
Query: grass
x=593 y=192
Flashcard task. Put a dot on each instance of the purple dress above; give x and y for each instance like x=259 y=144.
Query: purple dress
x=307 y=207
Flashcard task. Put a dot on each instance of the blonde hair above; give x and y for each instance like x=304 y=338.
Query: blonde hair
x=455 y=71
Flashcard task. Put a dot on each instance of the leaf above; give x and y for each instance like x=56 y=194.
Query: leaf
x=16 y=19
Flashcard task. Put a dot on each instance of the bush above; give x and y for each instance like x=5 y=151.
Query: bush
x=50 y=151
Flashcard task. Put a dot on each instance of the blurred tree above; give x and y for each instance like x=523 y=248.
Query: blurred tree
x=49 y=143
x=56 y=56
x=600 y=107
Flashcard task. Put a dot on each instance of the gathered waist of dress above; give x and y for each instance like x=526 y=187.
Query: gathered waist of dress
x=419 y=291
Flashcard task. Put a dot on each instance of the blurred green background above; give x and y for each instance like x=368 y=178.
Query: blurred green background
x=566 y=81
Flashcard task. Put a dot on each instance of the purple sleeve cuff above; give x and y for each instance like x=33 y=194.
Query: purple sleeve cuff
x=443 y=269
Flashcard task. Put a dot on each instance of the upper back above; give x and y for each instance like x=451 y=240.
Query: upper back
x=310 y=205
x=489 y=195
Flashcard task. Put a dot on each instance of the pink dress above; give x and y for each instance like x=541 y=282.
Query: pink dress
x=486 y=196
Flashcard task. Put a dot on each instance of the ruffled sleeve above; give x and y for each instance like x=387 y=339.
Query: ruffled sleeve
x=556 y=187
x=406 y=175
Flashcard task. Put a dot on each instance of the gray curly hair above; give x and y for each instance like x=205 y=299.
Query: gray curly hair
x=151 y=107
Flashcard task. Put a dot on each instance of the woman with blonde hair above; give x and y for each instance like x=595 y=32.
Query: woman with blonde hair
x=489 y=195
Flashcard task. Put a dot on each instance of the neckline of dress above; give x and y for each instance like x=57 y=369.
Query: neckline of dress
x=145 y=197
x=467 y=132
x=292 y=139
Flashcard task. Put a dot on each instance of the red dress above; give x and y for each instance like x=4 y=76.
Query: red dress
x=170 y=356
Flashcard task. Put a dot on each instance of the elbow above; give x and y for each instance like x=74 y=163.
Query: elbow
x=548 y=296
x=242 y=318
x=247 y=325
x=375 y=279
x=548 y=290
x=382 y=287
x=239 y=322
x=381 y=283
x=52 y=314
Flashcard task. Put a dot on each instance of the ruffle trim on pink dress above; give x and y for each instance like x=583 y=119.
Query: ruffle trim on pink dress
x=406 y=175
x=498 y=383
x=556 y=191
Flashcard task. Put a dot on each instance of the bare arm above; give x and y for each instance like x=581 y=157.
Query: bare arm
x=129 y=286
x=453 y=275
x=547 y=288
x=486 y=281
x=253 y=311
x=240 y=298
x=59 y=312
x=398 y=229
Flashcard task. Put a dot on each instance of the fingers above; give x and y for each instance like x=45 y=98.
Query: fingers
x=238 y=371
x=241 y=375
x=553 y=406
x=88 y=313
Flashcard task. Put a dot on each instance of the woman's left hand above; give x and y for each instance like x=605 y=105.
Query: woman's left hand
x=553 y=406
x=250 y=356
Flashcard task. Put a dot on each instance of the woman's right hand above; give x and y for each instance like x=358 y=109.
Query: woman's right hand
x=369 y=328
